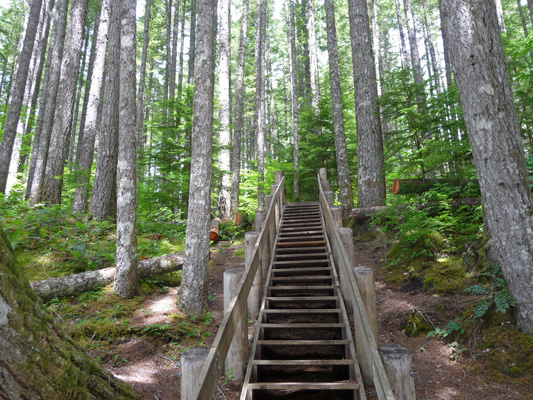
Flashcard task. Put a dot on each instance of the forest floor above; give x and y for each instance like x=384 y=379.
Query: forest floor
x=443 y=370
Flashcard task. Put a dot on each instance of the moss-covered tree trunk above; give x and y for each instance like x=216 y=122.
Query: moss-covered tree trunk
x=39 y=360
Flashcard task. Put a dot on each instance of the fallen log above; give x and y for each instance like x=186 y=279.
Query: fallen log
x=76 y=283
x=213 y=231
x=363 y=214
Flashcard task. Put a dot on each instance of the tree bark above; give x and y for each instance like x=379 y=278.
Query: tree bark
x=192 y=43
x=174 y=53
x=415 y=56
x=126 y=277
x=403 y=48
x=485 y=91
x=39 y=360
x=182 y=43
x=193 y=291
x=45 y=117
x=53 y=179
x=530 y=6
x=90 y=280
x=17 y=91
x=224 y=99
x=85 y=151
x=142 y=77
x=431 y=44
x=499 y=12
x=522 y=18
x=103 y=200
x=260 y=101
x=371 y=179
x=313 y=58
x=294 y=99
x=239 y=112
x=343 y=172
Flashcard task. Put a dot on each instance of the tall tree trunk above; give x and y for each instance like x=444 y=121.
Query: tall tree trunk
x=192 y=43
x=103 y=200
x=174 y=55
x=480 y=68
x=17 y=91
x=499 y=12
x=403 y=48
x=415 y=56
x=43 y=43
x=168 y=57
x=81 y=82
x=193 y=292
x=142 y=78
x=260 y=101
x=431 y=44
x=371 y=179
x=88 y=87
x=376 y=48
x=522 y=18
x=239 y=112
x=126 y=277
x=53 y=180
x=45 y=118
x=43 y=362
x=294 y=98
x=313 y=58
x=343 y=172
x=224 y=92
x=182 y=44
x=85 y=153
x=530 y=6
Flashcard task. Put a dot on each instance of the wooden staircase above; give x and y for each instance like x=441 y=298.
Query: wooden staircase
x=303 y=347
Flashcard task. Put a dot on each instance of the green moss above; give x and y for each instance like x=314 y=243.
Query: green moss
x=417 y=325
x=509 y=351
x=446 y=275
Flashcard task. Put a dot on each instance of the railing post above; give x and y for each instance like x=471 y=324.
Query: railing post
x=336 y=211
x=330 y=197
x=397 y=362
x=237 y=353
x=365 y=282
x=192 y=363
x=265 y=250
x=277 y=208
x=254 y=298
x=323 y=179
x=278 y=178
x=346 y=236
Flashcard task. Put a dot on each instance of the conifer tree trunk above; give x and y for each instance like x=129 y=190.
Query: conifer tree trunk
x=17 y=91
x=53 y=180
x=371 y=179
x=85 y=151
x=182 y=44
x=403 y=48
x=415 y=56
x=174 y=53
x=260 y=100
x=126 y=276
x=193 y=290
x=431 y=45
x=45 y=117
x=103 y=200
x=375 y=42
x=522 y=18
x=313 y=58
x=42 y=361
x=142 y=76
x=478 y=58
x=239 y=112
x=345 y=185
x=530 y=6
x=499 y=12
x=192 y=43
x=224 y=92
x=294 y=99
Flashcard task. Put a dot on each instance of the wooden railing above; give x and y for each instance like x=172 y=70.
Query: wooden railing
x=361 y=322
x=214 y=364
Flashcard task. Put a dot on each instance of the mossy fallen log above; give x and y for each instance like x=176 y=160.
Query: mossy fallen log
x=77 y=283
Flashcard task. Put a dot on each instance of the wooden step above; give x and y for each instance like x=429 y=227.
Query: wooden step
x=310 y=243
x=303 y=362
x=304 y=386
x=293 y=271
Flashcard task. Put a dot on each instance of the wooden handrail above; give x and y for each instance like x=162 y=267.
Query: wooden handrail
x=381 y=382
x=217 y=354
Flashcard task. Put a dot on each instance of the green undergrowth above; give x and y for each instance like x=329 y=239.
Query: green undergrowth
x=430 y=236
x=52 y=242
